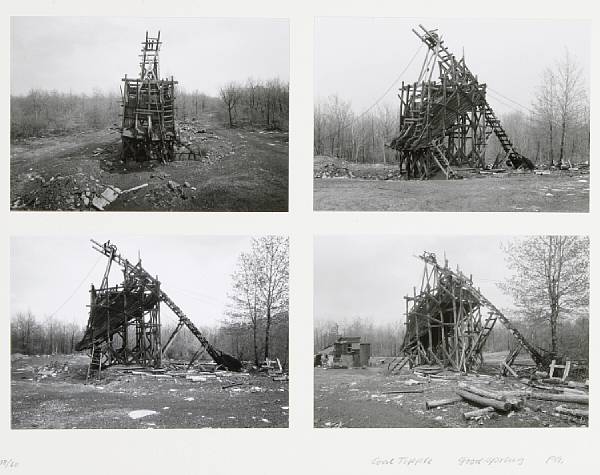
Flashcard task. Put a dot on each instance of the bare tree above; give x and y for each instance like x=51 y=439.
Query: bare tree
x=230 y=95
x=261 y=102
x=245 y=299
x=560 y=106
x=551 y=279
x=545 y=108
x=362 y=138
x=260 y=285
x=571 y=97
x=271 y=266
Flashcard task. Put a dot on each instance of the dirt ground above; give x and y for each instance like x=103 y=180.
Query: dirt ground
x=64 y=401
x=365 y=398
x=239 y=169
x=377 y=188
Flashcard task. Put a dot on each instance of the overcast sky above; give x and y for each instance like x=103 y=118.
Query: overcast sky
x=79 y=54
x=368 y=276
x=359 y=58
x=194 y=271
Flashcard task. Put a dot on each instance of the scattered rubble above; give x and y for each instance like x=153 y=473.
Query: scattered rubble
x=448 y=398
x=333 y=170
x=134 y=397
x=337 y=168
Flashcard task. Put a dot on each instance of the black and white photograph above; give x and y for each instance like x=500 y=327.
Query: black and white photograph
x=149 y=114
x=149 y=333
x=230 y=227
x=454 y=331
x=451 y=115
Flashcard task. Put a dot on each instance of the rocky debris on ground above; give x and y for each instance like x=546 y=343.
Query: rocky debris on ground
x=169 y=193
x=203 y=374
x=77 y=192
x=86 y=192
x=109 y=195
x=326 y=167
x=333 y=170
x=39 y=372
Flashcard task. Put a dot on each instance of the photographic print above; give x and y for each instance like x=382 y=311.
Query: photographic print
x=469 y=331
x=172 y=332
x=451 y=115
x=149 y=114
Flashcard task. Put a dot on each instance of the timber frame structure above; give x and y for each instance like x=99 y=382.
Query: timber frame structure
x=148 y=129
x=448 y=322
x=124 y=322
x=445 y=124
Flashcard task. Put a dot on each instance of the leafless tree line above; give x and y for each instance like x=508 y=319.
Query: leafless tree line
x=236 y=337
x=572 y=339
x=190 y=105
x=553 y=130
x=385 y=338
x=255 y=326
x=233 y=337
x=33 y=336
x=51 y=112
x=257 y=321
x=28 y=335
x=264 y=103
x=339 y=132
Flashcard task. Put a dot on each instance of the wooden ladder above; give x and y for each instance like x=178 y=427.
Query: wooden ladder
x=95 y=365
x=449 y=61
x=438 y=154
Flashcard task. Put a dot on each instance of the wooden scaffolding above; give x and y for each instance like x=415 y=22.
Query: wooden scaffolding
x=449 y=320
x=124 y=322
x=445 y=124
x=148 y=128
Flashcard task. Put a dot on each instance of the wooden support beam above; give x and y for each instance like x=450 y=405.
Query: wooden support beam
x=575 y=398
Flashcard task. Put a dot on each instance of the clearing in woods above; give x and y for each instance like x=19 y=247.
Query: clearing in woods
x=368 y=398
x=49 y=392
x=521 y=192
x=237 y=169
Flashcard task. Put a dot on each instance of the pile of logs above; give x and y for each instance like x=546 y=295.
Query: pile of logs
x=492 y=402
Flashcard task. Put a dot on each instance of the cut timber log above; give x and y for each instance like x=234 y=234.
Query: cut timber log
x=515 y=402
x=576 y=398
x=442 y=402
x=479 y=412
x=573 y=412
x=484 y=401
